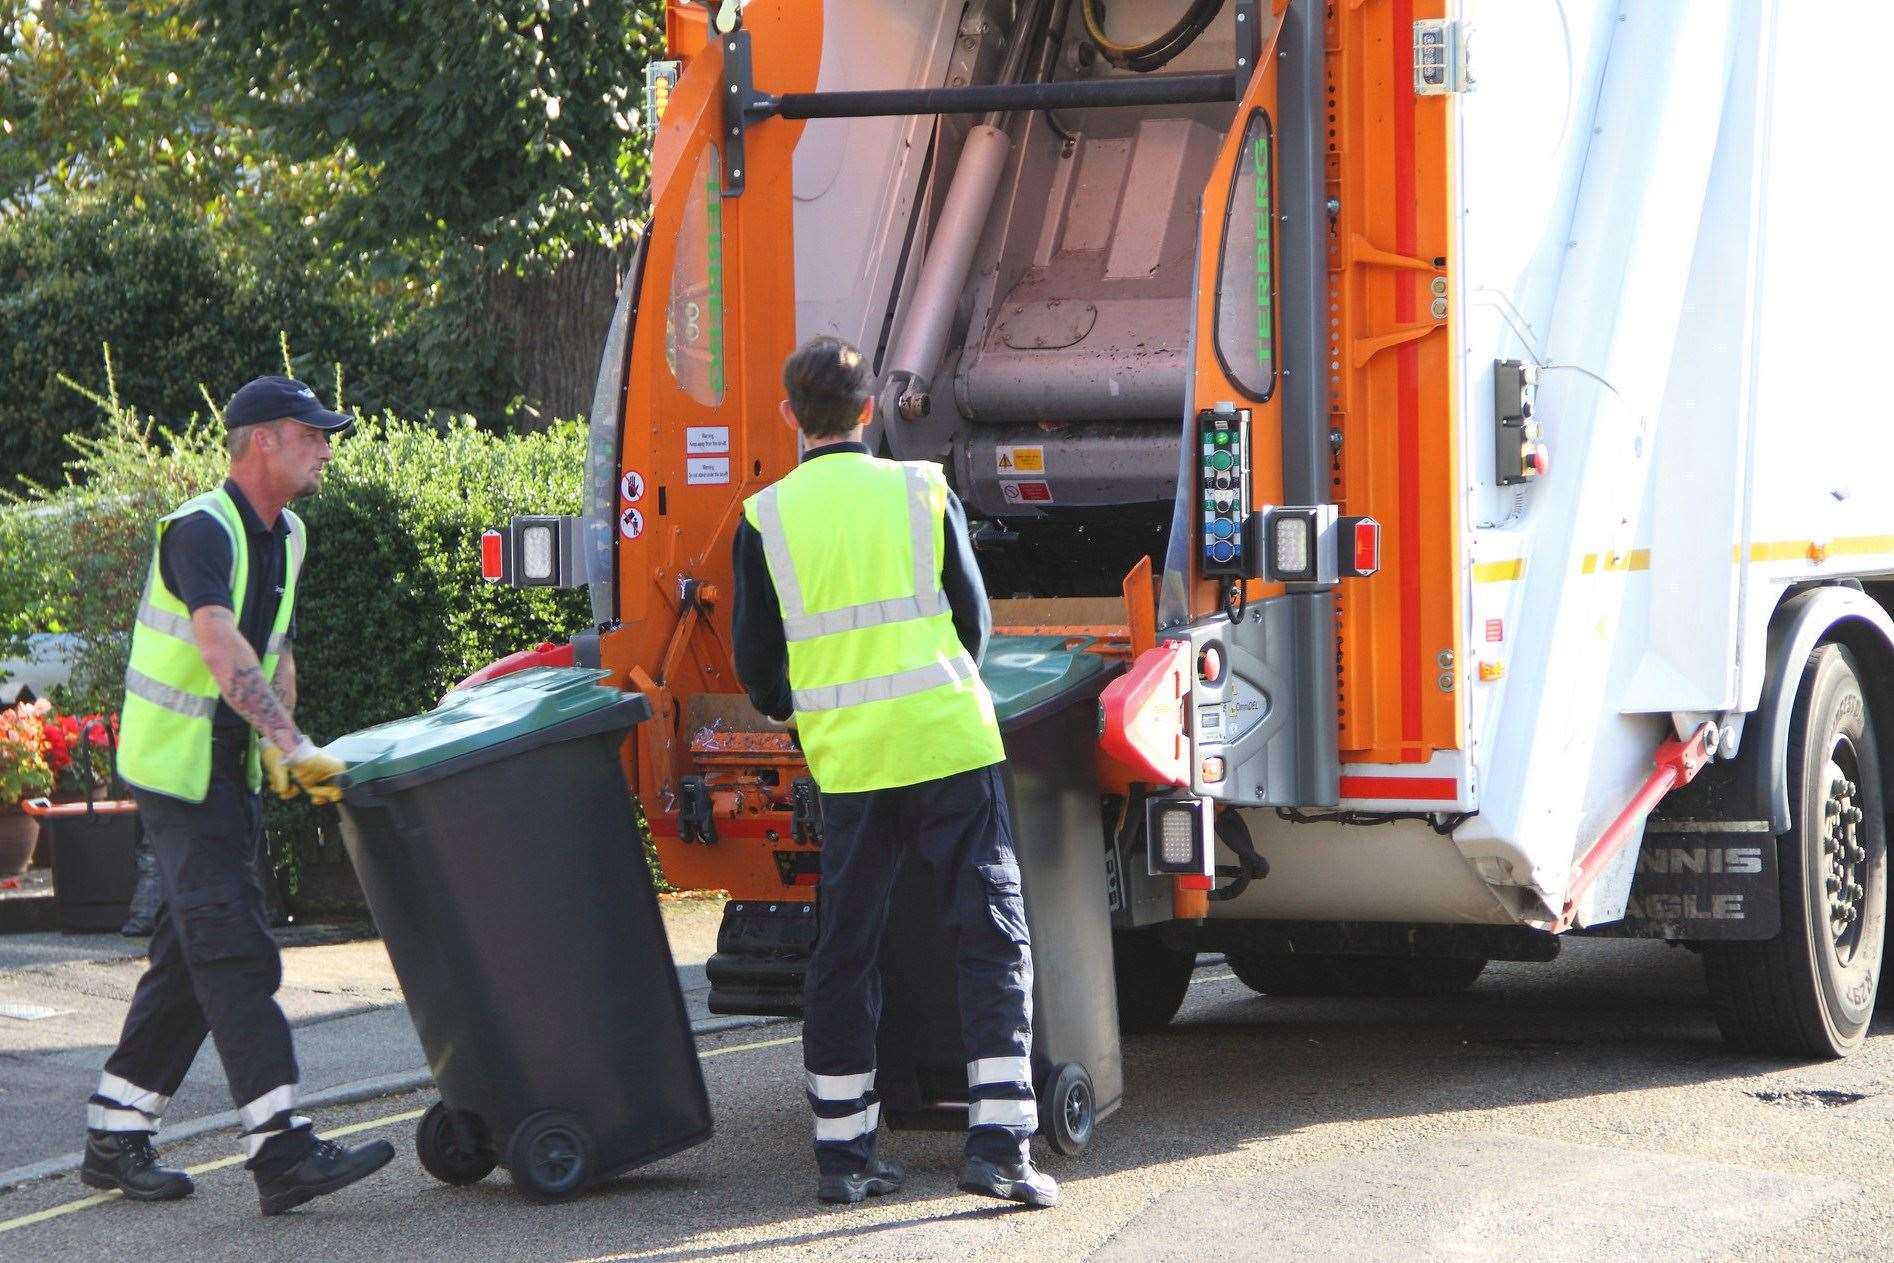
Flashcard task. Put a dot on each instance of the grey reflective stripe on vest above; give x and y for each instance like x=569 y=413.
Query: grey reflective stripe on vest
x=882 y=688
x=165 y=621
x=799 y=625
x=176 y=701
x=276 y=642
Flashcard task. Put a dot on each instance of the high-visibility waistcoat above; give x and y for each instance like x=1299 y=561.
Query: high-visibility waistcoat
x=170 y=695
x=885 y=694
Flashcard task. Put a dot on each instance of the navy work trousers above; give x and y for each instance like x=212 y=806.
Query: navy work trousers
x=958 y=827
x=214 y=968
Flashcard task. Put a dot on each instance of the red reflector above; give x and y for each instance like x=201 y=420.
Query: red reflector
x=492 y=558
x=806 y=879
x=1367 y=547
x=1195 y=881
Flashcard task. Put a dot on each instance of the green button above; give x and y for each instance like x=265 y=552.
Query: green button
x=1222 y=460
x=1222 y=440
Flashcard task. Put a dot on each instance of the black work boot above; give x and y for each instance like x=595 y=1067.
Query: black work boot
x=125 y=1160
x=1023 y=1183
x=881 y=1177
x=326 y=1168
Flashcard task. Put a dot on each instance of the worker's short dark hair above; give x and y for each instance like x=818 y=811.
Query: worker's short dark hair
x=828 y=382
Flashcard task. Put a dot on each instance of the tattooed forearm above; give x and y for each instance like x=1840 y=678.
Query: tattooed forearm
x=233 y=664
x=252 y=697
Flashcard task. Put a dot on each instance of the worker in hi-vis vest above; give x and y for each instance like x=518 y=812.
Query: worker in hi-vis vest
x=860 y=615
x=212 y=667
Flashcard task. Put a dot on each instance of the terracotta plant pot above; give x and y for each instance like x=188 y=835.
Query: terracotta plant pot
x=19 y=833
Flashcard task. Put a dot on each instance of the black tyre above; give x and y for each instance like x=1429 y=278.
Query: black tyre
x=1152 y=979
x=1408 y=977
x=1402 y=976
x=1809 y=992
x=1283 y=975
x=550 y=1156
x=453 y=1145
x=1069 y=1111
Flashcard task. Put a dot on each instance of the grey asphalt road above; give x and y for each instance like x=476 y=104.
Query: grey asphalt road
x=1581 y=1110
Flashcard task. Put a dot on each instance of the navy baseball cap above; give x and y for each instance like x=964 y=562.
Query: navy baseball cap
x=277 y=399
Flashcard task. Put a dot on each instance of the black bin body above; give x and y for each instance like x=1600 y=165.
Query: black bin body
x=510 y=886
x=1051 y=786
x=95 y=863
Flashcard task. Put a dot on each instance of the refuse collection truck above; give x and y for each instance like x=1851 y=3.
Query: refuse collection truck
x=1453 y=422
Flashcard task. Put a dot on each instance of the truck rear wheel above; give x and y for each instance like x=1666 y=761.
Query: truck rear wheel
x=1152 y=979
x=1408 y=976
x=1809 y=992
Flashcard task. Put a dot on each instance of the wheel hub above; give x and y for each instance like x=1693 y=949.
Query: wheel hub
x=1843 y=852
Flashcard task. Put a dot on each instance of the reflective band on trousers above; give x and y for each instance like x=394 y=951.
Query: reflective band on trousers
x=174 y=700
x=839 y=1087
x=999 y=1070
x=167 y=622
x=799 y=624
x=267 y=1106
x=849 y=1128
x=105 y=1118
x=131 y=1096
x=1002 y=1114
x=882 y=688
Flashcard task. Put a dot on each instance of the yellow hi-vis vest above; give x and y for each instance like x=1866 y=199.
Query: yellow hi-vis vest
x=885 y=694
x=170 y=695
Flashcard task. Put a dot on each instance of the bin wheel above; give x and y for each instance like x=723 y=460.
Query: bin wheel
x=550 y=1156
x=453 y=1145
x=1069 y=1112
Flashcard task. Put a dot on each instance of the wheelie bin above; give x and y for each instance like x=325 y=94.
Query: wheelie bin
x=1045 y=692
x=494 y=840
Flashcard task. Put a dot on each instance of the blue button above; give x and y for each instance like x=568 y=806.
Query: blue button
x=1221 y=529
x=1222 y=551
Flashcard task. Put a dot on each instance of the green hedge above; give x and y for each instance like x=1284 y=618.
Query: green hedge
x=392 y=610
x=180 y=305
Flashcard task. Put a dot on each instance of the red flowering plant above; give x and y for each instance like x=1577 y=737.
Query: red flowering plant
x=24 y=772
x=78 y=743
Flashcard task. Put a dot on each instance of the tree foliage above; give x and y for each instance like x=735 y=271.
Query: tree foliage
x=510 y=126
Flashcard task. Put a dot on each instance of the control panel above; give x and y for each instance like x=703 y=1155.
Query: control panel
x=1223 y=486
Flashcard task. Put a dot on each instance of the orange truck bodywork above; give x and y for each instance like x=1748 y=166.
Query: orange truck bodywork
x=1390 y=393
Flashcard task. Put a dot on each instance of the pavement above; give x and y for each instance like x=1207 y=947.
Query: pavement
x=63 y=999
x=1583 y=1109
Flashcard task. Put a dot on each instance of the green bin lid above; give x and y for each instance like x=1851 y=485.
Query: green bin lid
x=1023 y=671
x=474 y=718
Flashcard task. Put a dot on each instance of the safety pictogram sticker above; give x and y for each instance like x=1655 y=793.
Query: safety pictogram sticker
x=631 y=524
x=632 y=486
x=1026 y=492
x=1020 y=460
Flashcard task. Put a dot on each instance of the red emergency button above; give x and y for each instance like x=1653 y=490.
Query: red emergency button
x=1538 y=461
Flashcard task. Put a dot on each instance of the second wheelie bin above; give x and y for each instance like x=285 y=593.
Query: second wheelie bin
x=495 y=842
x=1045 y=693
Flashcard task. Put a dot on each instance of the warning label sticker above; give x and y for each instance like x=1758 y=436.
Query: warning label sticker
x=1026 y=492
x=707 y=471
x=1495 y=630
x=1021 y=460
x=631 y=524
x=632 y=486
x=707 y=438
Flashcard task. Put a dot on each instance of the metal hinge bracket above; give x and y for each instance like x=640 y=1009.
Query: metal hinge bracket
x=1440 y=57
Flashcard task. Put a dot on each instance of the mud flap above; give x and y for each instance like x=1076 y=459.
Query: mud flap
x=1702 y=887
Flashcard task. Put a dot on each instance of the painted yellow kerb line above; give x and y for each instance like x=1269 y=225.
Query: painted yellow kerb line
x=406 y=1116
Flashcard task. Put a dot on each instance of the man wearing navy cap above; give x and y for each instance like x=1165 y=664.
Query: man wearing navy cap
x=208 y=713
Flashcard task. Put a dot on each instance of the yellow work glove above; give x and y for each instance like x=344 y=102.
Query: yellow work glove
x=315 y=771
x=273 y=770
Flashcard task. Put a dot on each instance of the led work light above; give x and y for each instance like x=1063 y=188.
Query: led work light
x=1179 y=830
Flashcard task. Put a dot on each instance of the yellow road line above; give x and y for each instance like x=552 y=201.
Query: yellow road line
x=99 y=1199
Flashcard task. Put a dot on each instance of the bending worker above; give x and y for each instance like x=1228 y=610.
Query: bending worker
x=211 y=664
x=859 y=612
